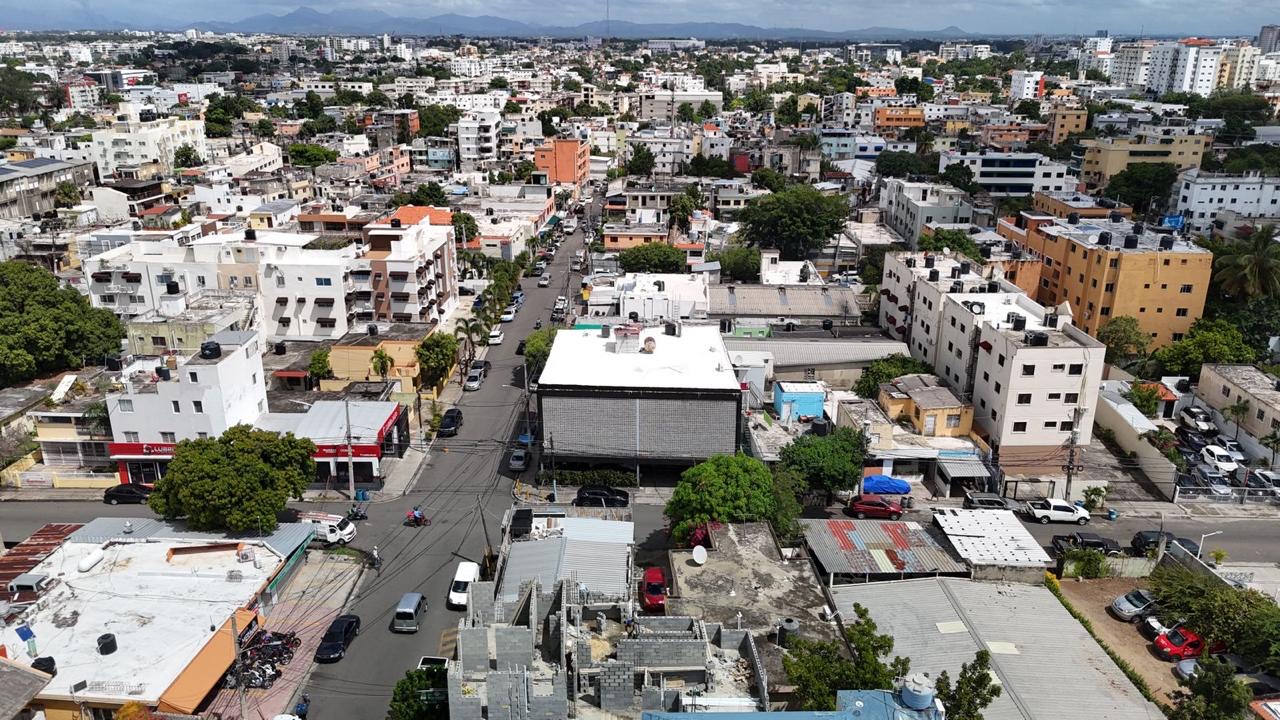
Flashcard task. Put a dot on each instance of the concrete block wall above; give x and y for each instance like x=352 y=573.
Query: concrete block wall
x=662 y=652
x=473 y=648
x=462 y=707
x=661 y=624
x=617 y=686
x=507 y=694
x=480 y=604
x=582 y=654
x=513 y=647
x=553 y=706
x=655 y=698
x=758 y=671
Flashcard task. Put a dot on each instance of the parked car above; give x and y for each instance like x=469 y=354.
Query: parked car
x=1271 y=476
x=484 y=365
x=508 y=315
x=519 y=461
x=333 y=646
x=1190 y=439
x=1189 y=545
x=864 y=506
x=126 y=494
x=474 y=380
x=1133 y=606
x=1046 y=510
x=1145 y=540
x=467 y=573
x=601 y=496
x=562 y=303
x=545 y=280
x=1086 y=541
x=987 y=501
x=450 y=423
x=653 y=590
x=1186 y=669
x=1219 y=459
x=1233 y=448
x=1210 y=478
x=1198 y=419
x=1151 y=627
x=496 y=337
x=1181 y=644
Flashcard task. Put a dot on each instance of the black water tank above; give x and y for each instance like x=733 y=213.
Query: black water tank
x=162 y=372
x=828 y=324
x=820 y=427
x=113 y=363
x=281 y=348
x=669 y=329
x=45 y=665
x=106 y=644
x=250 y=234
x=934 y=275
x=1073 y=218
x=1020 y=322
x=522 y=522
x=210 y=349
x=633 y=316
x=172 y=287
x=395 y=222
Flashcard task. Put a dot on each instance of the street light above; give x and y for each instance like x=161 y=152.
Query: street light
x=1200 y=549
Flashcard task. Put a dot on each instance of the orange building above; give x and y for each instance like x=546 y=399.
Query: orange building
x=566 y=161
x=898 y=118
x=868 y=91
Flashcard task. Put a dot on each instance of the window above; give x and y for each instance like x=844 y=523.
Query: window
x=1226 y=391
x=995 y=415
x=1109 y=287
x=202 y=436
x=324 y=282
x=1262 y=414
x=1066 y=425
x=1055 y=396
x=1071 y=398
x=125 y=406
x=1028 y=370
x=1000 y=360
x=254 y=380
x=986 y=376
x=200 y=281
x=1177 y=336
x=279 y=281
x=1185 y=289
x=997 y=388
x=953 y=421
x=130 y=437
x=108 y=299
x=1075 y=369
x=1059 y=367
x=248 y=281
x=1180 y=312
x=197 y=406
x=168 y=437
x=1024 y=398
x=177 y=407
x=193 y=377
x=1050 y=425
x=1020 y=427
x=1105 y=311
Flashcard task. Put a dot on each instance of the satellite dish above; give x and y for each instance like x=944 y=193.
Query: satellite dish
x=700 y=554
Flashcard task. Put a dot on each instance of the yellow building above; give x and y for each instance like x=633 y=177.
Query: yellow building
x=933 y=409
x=1065 y=122
x=1105 y=157
x=1111 y=267
x=620 y=236
x=351 y=358
x=1060 y=204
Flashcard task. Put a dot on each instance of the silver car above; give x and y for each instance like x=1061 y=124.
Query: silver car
x=474 y=379
x=1133 y=606
x=519 y=461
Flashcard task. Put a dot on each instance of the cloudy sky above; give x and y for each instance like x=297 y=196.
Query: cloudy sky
x=1215 y=17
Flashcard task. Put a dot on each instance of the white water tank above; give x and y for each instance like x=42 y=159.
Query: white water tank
x=89 y=561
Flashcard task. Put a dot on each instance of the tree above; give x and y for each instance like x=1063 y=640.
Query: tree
x=707 y=110
x=827 y=463
x=537 y=348
x=238 y=482
x=788 y=112
x=1140 y=183
x=307 y=155
x=886 y=369
x=381 y=363
x=407 y=699
x=873 y=669
x=1271 y=441
x=1214 y=692
x=436 y=357
x=898 y=164
x=686 y=113
x=66 y=194
x=909 y=85
x=769 y=179
x=428 y=195
x=498 y=83
x=738 y=263
x=379 y=99
x=465 y=226
x=681 y=211
x=1207 y=341
x=434 y=120
x=795 y=221
x=511 y=107
x=818 y=670
x=641 y=162
x=1251 y=266
x=958 y=241
x=264 y=128
x=1236 y=412
x=757 y=101
x=724 y=488
x=318 y=365
x=186 y=156
x=973 y=691
x=571 y=85
x=17 y=92
x=47 y=328
x=1029 y=109
x=1124 y=337
x=1145 y=397
x=656 y=257
x=958 y=175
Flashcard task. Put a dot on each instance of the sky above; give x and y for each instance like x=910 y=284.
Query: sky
x=1121 y=17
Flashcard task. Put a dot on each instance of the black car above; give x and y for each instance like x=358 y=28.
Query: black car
x=337 y=638
x=484 y=365
x=1148 y=540
x=600 y=496
x=128 y=494
x=1086 y=541
x=520 y=348
x=450 y=423
x=1190 y=438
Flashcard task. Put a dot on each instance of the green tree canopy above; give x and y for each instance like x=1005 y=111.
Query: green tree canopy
x=738 y=262
x=428 y=195
x=681 y=210
x=264 y=128
x=186 y=156
x=828 y=463
x=1250 y=267
x=641 y=162
x=958 y=175
x=1214 y=692
x=787 y=113
x=537 y=348
x=46 y=328
x=1140 y=183
x=795 y=221
x=436 y=357
x=686 y=113
x=67 y=194
x=1208 y=341
x=465 y=226
x=882 y=371
x=1029 y=109
x=958 y=241
x=724 y=488
x=973 y=690
x=17 y=91
x=511 y=107
x=655 y=257
x=707 y=110
x=410 y=701
x=820 y=669
x=499 y=83
x=434 y=120
x=1124 y=337
x=1145 y=397
x=769 y=179
x=318 y=364
x=307 y=155
x=898 y=164
x=238 y=482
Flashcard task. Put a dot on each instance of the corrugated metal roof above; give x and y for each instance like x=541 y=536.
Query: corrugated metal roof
x=965 y=468
x=939 y=623
x=283 y=540
x=535 y=559
x=29 y=553
x=817 y=351
x=876 y=547
x=825 y=301
x=597 y=530
x=18 y=686
x=991 y=537
x=600 y=566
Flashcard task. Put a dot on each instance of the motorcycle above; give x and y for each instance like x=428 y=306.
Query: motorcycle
x=416 y=518
x=537 y=325
x=357 y=512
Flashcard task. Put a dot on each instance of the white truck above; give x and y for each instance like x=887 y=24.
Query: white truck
x=1046 y=510
x=329 y=528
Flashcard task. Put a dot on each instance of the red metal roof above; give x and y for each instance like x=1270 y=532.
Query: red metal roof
x=30 y=552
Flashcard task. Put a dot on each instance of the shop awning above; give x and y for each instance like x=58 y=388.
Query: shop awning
x=956 y=469
x=204 y=671
x=290 y=373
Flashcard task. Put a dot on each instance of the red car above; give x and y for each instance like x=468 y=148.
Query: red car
x=1183 y=644
x=865 y=506
x=653 y=590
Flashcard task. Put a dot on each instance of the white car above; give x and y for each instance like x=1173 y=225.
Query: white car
x=1047 y=510
x=562 y=303
x=1198 y=419
x=519 y=461
x=467 y=573
x=1219 y=459
x=508 y=315
x=474 y=380
x=544 y=281
x=496 y=337
x=1233 y=448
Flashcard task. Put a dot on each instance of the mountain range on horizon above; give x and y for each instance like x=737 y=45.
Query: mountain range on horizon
x=307 y=21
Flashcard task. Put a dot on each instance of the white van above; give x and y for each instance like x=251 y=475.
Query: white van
x=467 y=573
x=409 y=612
x=329 y=528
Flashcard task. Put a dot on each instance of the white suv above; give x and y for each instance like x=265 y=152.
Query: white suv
x=1219 y=459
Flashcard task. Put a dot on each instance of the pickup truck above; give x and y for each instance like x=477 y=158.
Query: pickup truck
x=430 y=661
x=1086 y=541
x=1047 y=510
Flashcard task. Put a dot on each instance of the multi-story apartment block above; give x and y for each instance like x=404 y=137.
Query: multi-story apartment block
x=1202 y=195
x=838 y=109
x=671 y=148
x=566 y=161
x=849 y=144
x=406 y=274
x=1189 y=66
x=1131 y=64
x=30 y=186
x=1239 y=66
x=1063 y=204
x=907 y=207
x=963 y=51
x=1111 y=267
x=897 y=119
x=1026 y=85
x=477 y=134
x=1005 y=174
x=143 y=145
x=663 y=104
x=1269 y=39
x=82 y=95
x=1031 y=375
x=1065 y=122
x=1106 y=156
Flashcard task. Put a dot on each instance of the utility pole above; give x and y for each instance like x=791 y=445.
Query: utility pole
x=551 y=445
x=239 y=669
x=488 y=548
x=1071 y=467
x=351 y=458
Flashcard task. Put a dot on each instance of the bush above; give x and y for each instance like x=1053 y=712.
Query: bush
x=1086 y=563
x=596 y=476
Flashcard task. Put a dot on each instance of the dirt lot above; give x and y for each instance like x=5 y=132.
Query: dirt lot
x=1091 y=598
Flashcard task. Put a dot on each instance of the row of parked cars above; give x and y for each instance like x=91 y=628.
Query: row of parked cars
x=1216 y=463
x=1142 y=544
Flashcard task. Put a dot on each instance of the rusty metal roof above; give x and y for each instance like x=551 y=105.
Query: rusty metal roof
x=877 y=547
x=27 y=554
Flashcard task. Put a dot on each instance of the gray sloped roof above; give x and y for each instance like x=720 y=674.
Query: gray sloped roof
x=792 y=301
x=283 y=540
x=813 y=352
x=18 y=686
x=600 y=566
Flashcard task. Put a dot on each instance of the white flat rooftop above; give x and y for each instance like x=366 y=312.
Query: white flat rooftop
x=694 y=360
x=991 y=537
x=159 y=607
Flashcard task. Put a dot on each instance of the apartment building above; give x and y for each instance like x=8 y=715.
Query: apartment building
x=1063 y=204
x=907 y=207
x=654 y=200
x=1031 y=375
x=1064 y=122
x=142 y=145
x=1189 y=66
x=1131 y=64
x=1106 y=156
x=1222 y=386
x=566 y=161
x=1269 y=39
x=407 y=273
x=1112 y=267
x=671 y=148
x=849 y=144
x=1026 y=85
x=1202 y=195
x=839 y=109
x=897 y=119
x=477 y=134
x=963 y=51
x=82 y=95
x=662 y=104
x=1006 y=174
x=1239 y=66
x=30 y=186
x=624 y=235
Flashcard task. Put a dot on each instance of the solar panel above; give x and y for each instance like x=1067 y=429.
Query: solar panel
x=38 y=162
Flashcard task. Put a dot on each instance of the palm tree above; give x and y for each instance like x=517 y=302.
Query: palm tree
x=1271 y=441
x=1251 y=266
x=1236 y=412
x=382 y=363
x=469 y=332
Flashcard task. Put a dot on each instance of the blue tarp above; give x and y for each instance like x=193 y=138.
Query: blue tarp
x=885 y=485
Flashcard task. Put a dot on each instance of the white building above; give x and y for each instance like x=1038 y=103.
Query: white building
x=1201 y=195
x=1026 y=85
x=1011 y=173
x=1186 y=66
x=136 y=142
x=1130 y=64
x=963 y=51
x=478 y=139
